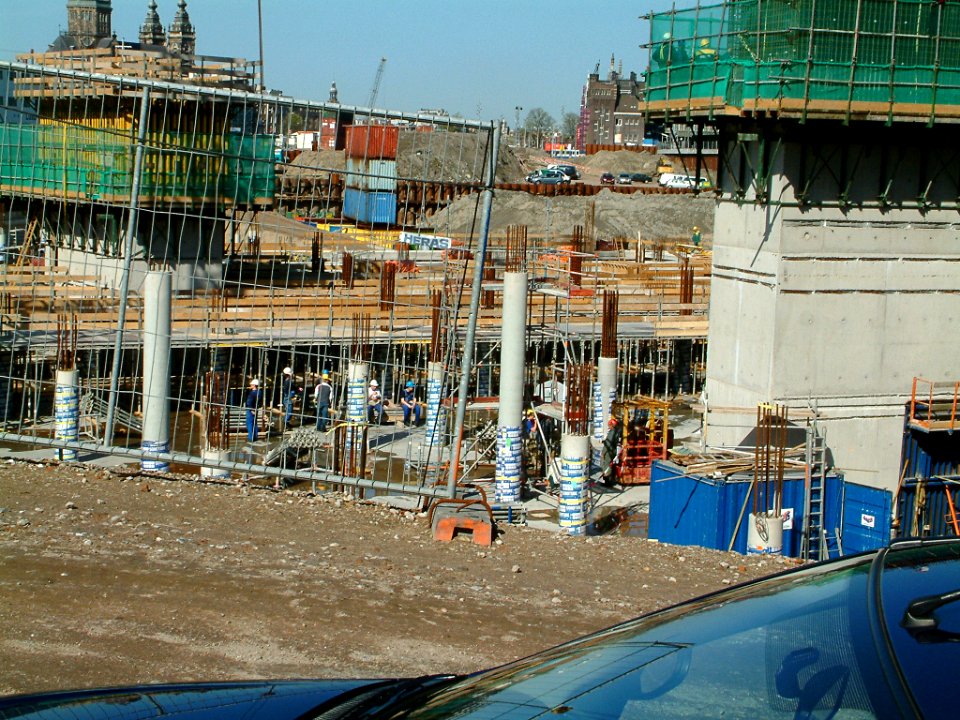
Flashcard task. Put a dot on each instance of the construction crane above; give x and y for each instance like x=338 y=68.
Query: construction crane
x=376 y=83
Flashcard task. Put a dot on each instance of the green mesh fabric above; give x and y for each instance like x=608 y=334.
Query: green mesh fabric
x=94 y=164
x=871 y=51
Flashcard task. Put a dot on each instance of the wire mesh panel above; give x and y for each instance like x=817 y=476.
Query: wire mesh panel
x=900 y=57
x=254 y=205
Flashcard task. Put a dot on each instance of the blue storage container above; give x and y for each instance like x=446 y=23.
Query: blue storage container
x=372 y=208
x=378 y=175
x=703 y=511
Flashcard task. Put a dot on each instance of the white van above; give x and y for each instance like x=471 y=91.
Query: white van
x=684 y=182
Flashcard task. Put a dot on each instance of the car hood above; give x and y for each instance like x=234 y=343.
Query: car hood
x=201 y=701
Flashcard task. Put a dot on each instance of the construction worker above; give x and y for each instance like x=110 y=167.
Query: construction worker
x=703 y=51
x=408 y=401
x=322 y=396
x=670 y=52
x=696 y=237
x=375 y=404
x=610 y=455
x=288 y=392
x=252 y=404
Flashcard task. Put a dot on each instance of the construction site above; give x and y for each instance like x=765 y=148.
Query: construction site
x=177 y=295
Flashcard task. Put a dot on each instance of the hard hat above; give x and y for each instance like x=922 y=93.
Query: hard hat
x=255 y=382
x=696 y=229
x=326 y=376
x=374 y=383
x=612 y=421
x=287 y=371
x=409 y=383
x=666 y=36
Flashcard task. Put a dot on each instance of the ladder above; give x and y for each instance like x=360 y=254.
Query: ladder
x=25 y=246
x=813 y=545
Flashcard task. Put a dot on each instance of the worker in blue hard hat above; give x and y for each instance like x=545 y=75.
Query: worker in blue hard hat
x=408 y=401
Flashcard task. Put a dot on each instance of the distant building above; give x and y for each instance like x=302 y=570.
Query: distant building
x=89 y=25
x=90 y=43
x=610 y=110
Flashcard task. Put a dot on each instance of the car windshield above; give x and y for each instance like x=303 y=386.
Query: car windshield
x=784 y=648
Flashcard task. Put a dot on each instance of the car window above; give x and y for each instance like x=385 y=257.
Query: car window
x=795 y=646
x=927 y=653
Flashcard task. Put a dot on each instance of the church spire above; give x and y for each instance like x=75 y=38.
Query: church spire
x=151 y=32
x=182 y=39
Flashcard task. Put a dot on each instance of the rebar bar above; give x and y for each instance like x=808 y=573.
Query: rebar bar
x=360 y=348
x=576 y=407
x=608 y=329
x=67 y=342
x=516 y=249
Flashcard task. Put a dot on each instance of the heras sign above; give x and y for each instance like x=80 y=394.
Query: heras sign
x=426 y=242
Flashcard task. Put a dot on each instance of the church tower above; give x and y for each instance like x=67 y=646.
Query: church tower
x=151 y=32
x=88 y=21
x=182 y=39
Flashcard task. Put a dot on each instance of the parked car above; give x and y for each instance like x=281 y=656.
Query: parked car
x=867 y=636
x=624 y=179
x=607 y=179
x=569 y=170
x=641 y=177
x=675 y=180
x=546 y=176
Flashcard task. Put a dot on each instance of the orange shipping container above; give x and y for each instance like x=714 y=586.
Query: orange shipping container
x=372 y=141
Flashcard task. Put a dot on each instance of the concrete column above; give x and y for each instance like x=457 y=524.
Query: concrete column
x=512 y=355
x=435 y=412
x=67 y=411
x=214 y=456
x=156 y=367
x=574 y=483
x=607 y=376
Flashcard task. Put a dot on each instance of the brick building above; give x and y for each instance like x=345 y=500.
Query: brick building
x=610 y=109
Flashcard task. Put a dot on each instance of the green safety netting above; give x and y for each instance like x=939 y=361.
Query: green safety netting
x=95 y=164
x=854 y=51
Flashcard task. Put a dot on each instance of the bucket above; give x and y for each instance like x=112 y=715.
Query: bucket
x=765 y=534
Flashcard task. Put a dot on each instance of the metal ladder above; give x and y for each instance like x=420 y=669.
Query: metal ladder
x=813 y=545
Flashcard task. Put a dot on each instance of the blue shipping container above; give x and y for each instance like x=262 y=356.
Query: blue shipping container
x=703 y=511
x=372 y=174
x=373 y=208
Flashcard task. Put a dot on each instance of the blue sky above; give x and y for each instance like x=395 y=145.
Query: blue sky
x=480 y=59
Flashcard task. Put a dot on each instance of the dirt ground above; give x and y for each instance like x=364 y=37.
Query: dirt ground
x=113 y=578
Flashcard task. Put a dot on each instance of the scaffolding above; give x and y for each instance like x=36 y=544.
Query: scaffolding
x=892 y=59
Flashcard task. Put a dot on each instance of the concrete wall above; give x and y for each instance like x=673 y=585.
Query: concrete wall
x=833 y=310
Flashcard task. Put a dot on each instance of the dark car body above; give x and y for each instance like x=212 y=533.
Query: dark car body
x=607 y=179
x=875 y=635
x=641 y=177
x=547 y=177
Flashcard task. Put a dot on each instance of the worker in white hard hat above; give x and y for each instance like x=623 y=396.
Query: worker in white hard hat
x=670 y=52
x=288 y=393
x=252 y=404
x=375 y=412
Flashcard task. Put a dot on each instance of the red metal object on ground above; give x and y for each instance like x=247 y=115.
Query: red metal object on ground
x=481 y=529
x=372 y=141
